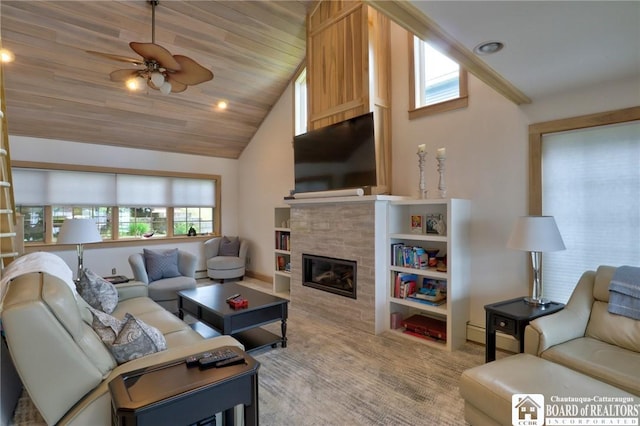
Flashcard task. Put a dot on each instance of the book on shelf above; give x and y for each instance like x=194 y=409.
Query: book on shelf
x=417 y=224
x=427 y=327
x=413 y=298
x=409 y=256
x=433 y=288
x=282 y=240
x=405 y=284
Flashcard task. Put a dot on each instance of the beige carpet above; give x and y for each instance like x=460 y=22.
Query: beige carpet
x=333 y=375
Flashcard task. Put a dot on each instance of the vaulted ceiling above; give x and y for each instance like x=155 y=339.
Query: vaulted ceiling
x=56 y=90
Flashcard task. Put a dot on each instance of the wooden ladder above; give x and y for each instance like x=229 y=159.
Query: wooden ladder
x=8 y=243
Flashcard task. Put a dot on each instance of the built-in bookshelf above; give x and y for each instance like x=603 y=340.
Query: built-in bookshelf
x=282 y=252
x=428 y=244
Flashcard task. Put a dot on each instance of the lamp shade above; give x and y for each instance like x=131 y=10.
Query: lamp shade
x=536 y=233
x=79 y=231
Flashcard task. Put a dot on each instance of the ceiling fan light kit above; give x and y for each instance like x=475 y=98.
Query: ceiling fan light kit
x=162 y=71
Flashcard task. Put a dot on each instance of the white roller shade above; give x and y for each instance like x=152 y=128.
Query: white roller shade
x=143 y=191
x=193 y=192
x=38 y=187
x=57 y=187
x=591 y=184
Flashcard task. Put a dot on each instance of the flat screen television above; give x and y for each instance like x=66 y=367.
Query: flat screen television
x=338 y=156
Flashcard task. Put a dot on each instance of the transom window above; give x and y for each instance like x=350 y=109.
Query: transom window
x=300 y=102
x=437 y=83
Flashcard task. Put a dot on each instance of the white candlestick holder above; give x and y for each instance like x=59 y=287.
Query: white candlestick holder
x=422 y=186
x=442 y=189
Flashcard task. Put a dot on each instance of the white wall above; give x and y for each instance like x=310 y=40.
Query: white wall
x=266 y=176
x=486 y=163
x=103 y=260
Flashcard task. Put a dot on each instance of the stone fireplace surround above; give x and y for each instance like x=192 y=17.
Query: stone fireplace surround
x=353 y=228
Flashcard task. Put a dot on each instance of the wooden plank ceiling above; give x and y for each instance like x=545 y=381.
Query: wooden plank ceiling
x=56 y=90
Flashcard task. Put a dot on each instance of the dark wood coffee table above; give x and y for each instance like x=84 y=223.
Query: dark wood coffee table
x=208 y=304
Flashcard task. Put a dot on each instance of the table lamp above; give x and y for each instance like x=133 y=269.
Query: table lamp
x=79 y=231
x=536 y=234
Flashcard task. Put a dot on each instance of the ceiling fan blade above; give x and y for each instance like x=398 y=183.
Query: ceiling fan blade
x=123 y=75
x=176 y=86
x=152 y=51
x=190 y=72
x=117 y=57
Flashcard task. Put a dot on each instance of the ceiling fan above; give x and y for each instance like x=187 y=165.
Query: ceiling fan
x=162 y=71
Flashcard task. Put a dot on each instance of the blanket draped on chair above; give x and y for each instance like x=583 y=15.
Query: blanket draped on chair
x=624 y=292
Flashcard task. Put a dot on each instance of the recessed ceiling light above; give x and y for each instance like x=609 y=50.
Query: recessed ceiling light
x=6 y=55
x=222 y=105
x=488 y=47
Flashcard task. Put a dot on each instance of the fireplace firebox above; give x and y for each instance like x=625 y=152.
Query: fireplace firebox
x=336 y=276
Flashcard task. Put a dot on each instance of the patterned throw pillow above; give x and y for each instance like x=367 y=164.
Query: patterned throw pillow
x=106 y=326
x=97 y=292
x=161 y=265
x=229 y=247
x=136 y=339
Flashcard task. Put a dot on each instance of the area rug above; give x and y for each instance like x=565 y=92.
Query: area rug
x=334 y=375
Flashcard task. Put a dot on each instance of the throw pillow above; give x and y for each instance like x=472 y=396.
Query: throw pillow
x=136 y=339
x=161 y=264
x=106 y=326
x=229 y=247
x=97 y=292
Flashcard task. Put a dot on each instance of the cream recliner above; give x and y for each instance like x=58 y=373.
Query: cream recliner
x=63 y=364
x=587 y=338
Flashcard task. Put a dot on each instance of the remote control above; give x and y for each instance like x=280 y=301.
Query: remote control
x=191 y=361
x=220 y=358
x=238 y=359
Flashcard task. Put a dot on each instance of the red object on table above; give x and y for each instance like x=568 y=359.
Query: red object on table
x=238 y=302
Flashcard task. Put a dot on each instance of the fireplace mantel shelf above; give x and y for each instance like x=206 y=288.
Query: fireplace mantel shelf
x=348 y=199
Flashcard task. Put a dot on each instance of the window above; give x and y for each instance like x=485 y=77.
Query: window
x=437 y=83
x=33 y=223
x=124 y=205
x=200 y=218
x=300 y=102
x=589 y=180
x=101 y=215
x=136 y=222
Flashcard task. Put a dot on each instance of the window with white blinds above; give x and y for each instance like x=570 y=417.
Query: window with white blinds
x=34 y=187
x=591 y=185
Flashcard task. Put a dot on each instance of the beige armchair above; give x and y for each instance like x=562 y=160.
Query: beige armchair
x=226 y=257
x=165 y=274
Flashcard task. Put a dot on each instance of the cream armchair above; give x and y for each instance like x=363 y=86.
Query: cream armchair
x=223 y=260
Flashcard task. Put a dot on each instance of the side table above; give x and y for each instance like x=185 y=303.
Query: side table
x=511 y=317
x=174 y=394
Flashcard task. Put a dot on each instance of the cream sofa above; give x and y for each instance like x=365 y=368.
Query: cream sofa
x=62 y=362
x=580 y=351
